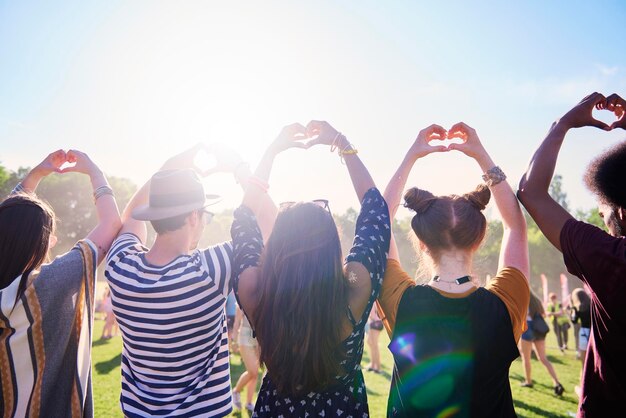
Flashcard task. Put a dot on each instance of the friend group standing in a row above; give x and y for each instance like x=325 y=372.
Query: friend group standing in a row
x=452 y=340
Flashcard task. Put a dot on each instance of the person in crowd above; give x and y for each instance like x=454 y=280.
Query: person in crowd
x=560 y=323
x=110 y=324
x=373 y=335
x=534 y=339
x=169 y=300
x=580 y=305
x=231 y=313
x=249 y=350
x=47 y=307
x=593 y=255
x=308 y=309
x=453 y=341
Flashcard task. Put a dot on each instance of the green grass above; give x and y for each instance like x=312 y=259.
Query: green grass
x=538 y=401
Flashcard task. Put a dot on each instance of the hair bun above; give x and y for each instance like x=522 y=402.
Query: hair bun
x=418 y=200
x=479 y=197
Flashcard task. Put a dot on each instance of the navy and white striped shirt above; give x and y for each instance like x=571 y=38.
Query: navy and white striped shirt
x=175 y=353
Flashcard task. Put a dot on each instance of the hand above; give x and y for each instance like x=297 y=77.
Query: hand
x=421 y=148
x=471 y=146
x=51 y=164
x=185 y=159
x=322 y=134
x=291 y=136
x=617 y=105
x=580 y=115
x=226 y=159
x=81 y=163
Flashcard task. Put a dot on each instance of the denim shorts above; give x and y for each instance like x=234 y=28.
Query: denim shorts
x=583 y=338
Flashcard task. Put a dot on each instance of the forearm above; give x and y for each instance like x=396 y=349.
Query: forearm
x=256 y=195
x=504 y=197
x=541 y=168
x=107 y=211
x=361 y=179
x=32 y=180
x=395 y=187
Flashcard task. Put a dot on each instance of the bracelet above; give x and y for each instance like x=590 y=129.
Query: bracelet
x=333 y=145
x=259 y=182
x=346 y=151
x=18 y=189
x=494 y=176
x=101 y=191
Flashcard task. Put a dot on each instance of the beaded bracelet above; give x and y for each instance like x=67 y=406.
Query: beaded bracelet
x=346 y=151
x=494 y=176
x=333 y=145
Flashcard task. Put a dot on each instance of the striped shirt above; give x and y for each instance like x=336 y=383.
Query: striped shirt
x=175 y=340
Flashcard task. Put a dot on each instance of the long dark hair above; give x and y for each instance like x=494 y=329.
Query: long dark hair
x=446 y=222
x=303 y=300
x=26 y=224
x=535 y=306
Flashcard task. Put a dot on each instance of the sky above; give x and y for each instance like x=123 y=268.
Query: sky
x=132 y=83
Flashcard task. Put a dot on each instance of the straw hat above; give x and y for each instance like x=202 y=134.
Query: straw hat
x=173 y=193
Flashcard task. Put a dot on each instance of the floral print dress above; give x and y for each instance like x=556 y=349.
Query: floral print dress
x=348 y=396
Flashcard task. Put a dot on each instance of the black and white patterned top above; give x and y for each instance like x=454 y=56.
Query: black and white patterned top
x=348 y=397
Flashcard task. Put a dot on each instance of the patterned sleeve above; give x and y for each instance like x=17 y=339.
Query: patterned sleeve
x=371 y=241
x=247 y=243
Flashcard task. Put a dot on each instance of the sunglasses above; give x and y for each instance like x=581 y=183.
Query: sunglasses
x=207 y=216
x=322 y=203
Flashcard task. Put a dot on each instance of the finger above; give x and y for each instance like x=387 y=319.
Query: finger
x=599 y=124
x=440 y=148
x=436 y=132
x=617 y=124
x=312 y=143
x=315 y=126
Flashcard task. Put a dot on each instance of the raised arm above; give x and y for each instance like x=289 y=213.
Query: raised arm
x=256 y=196
x=106 y=208
x=395 y=187
x=365 y=265
x=327 y=135
x=107 y=213
x=535 y=183
x=254 y=219
x=51 y=164
x=514 y=248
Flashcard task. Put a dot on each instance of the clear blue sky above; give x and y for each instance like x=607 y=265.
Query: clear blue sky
x=131 y=83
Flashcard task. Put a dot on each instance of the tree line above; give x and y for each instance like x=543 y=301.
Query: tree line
x=70 y=196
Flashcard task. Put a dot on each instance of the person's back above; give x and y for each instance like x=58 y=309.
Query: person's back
x=453 y=341
x=175 y=356
x=169 y=300
x=596 y=257
x=308 y=307
x=46 y=310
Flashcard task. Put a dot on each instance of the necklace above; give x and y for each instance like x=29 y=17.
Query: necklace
x=449 y=283
x=460 y=280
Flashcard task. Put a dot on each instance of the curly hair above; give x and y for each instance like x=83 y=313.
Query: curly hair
x=605 y=176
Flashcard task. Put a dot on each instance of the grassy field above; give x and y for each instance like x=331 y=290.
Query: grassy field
x=538 y=401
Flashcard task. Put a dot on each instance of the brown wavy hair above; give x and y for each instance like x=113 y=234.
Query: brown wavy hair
x=26 y=223
x=447 y=222
x=302 y=305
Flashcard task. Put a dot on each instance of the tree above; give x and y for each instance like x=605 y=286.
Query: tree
x=557 y=192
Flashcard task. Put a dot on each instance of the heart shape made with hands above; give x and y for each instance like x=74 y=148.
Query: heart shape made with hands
x=607 y=116
x=445 y=138
x=205 y=161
